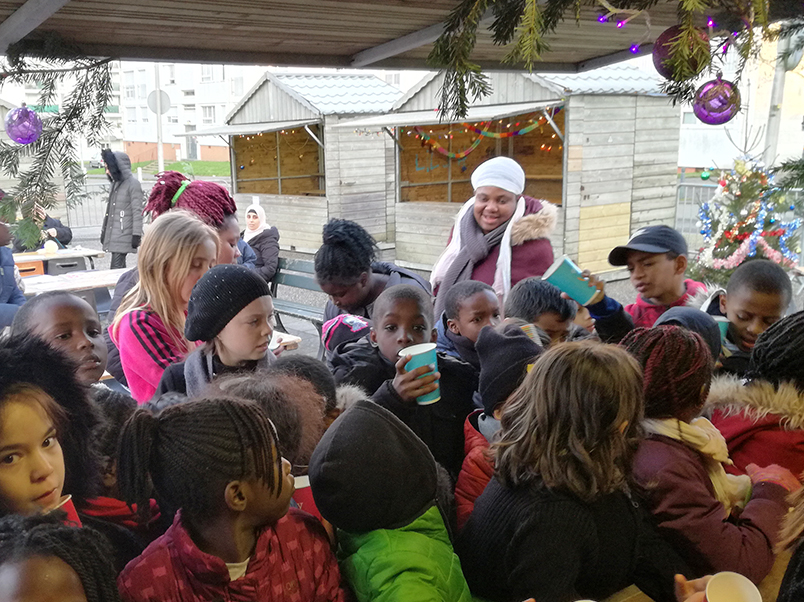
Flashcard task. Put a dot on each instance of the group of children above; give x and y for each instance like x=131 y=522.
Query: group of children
x=553 y=467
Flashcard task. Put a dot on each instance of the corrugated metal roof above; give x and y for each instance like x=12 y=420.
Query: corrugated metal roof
x=343 y=94
x=614 y=79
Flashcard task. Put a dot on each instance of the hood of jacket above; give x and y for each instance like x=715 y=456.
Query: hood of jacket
x=539 y=221
x=756 y=400
x=399 y=275
x=118 y=163
x=707 y=301
x=370 y=471
x=430 y=524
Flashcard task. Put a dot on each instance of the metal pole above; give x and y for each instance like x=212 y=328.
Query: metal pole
x=775 y=113
x=160 y=152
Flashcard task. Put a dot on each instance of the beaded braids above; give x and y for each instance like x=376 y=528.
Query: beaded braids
x=209 y=201
x=29 y=362
x=676 y=366
x=191 y=451
x=776 y=357
x=348 y=251
x=85 y=550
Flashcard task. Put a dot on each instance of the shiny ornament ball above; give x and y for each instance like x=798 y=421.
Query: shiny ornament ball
x=716 y=102
x=662 y=49
x=23 y=125
x=705 y=175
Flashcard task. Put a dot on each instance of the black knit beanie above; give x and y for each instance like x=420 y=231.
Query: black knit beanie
x=504 y=358
x=370 y=471
x=218 y=297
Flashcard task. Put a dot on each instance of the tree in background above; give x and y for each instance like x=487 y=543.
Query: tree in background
x=749 y=216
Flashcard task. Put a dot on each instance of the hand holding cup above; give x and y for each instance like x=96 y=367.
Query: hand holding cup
x=411 y=385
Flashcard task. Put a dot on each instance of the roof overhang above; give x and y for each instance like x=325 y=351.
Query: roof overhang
x=482 y=113
x=247 y=129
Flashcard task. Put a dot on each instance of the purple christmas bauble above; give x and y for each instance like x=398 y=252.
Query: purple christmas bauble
x=23 y=125
x=716 y=102
x=661 y=53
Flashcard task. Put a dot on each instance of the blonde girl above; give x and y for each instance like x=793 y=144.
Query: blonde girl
x=148 y=329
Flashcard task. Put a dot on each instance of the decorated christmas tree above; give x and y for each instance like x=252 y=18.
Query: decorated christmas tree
x=748 y=217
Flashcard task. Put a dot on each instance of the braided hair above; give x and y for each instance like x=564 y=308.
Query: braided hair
x=677 y=368
x=209 y=201
x=29 y=361
x=85 y=550
x=776 y=356
x=348 y=251
x=191 y=451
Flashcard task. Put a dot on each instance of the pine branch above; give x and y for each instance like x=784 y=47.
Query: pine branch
x=790 y=174
x=529 y=45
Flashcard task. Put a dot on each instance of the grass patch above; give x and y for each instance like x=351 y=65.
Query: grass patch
x=188 y=168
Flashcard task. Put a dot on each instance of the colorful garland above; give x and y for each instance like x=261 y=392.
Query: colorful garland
x=447 y=153
x=496 y=135
x=745 y=249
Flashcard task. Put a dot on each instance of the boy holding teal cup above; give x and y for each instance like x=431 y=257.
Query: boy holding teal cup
x=431 y=395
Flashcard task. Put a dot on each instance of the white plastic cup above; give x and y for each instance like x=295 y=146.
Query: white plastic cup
x=565 y=275
x=423 y=355
x=731 y=587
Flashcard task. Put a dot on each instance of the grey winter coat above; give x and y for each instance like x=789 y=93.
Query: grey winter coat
x=123 y=219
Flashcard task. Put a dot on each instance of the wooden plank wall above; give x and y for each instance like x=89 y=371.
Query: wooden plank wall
x=357 y=173
x=610 y=161
x=298 y=218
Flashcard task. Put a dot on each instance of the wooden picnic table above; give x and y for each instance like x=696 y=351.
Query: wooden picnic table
x=72 y=281
x=61 y=254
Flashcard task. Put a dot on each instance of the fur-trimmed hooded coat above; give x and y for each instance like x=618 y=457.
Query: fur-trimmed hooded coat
x=123 y=219
x=531 y=249
x=762 y=424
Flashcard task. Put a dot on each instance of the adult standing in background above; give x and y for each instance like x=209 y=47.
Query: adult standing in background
x=499 y=237
x=122 y=224
x=263 y=239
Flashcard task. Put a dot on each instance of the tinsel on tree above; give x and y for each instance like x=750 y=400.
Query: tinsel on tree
x=47 y=63
x=748 y=217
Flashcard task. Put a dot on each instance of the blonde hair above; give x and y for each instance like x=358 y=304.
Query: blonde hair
x=164 y=261
x=574 y=421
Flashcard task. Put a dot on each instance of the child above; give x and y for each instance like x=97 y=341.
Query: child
x=377 y=483
x=540 y=303
x=217 y=461
x=347 y=270
x=316 y=373
x=231 y=312
x=756 y=297
x=403 y=316
x=761 y=417
x=468 y=307
x=42 y=559
x=263 y=239
x=149 y=326
x=11 y=298
x=792 y=588
x=47 y=425
x=716 y=522
x=656 y=257
x=557 y=522
x=505 y=354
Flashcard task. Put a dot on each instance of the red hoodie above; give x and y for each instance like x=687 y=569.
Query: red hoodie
x=645 y=313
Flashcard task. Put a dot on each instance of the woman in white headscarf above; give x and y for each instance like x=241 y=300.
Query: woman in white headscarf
x=263 y=239
x=500 y=236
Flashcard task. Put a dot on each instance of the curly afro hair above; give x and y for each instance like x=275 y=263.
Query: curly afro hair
x=27 y=360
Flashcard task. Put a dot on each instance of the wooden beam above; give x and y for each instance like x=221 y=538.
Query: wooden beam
x=25 y=19
x=417 y=39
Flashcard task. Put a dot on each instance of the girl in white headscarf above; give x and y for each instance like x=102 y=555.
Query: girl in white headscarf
x=500 y=236
x=263 y=239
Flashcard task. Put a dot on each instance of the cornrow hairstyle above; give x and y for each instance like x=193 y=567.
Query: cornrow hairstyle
x=762 y=276
x=533 y=297
x=402 y=292
x=115 y=409
x=28 y=361
x=85 y=550
x=460 y=292
x=676 y=366
x=776 y=356
x=23 y=319
x=348 y=251
x=209 y=201
x=312 y=370
x=294 y=406
x=191 y=451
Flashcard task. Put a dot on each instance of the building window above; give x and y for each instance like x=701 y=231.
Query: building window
x=145 y=111
x=131 y=114
x=206 y=73
x=237 y=86
x=128 y=85
x=392 y=78
x=689 y=118
x=142 y=84
x=173 y=115
x=208 y=114
x=170 y=74
x=188 y=92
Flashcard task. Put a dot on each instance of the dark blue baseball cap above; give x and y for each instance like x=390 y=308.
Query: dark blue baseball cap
x=651 y=239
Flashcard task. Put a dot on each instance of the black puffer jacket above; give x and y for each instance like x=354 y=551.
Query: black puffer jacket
x=63 y=235
x=266 y=246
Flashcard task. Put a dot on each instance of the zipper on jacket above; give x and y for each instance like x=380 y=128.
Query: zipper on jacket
x=122 y=215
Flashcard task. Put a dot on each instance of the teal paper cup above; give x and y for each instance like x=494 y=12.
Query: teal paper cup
x=566 y=276
x=723 y=324
x=423 y=355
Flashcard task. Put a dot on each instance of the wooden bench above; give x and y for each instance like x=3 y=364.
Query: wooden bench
x=297 y=273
